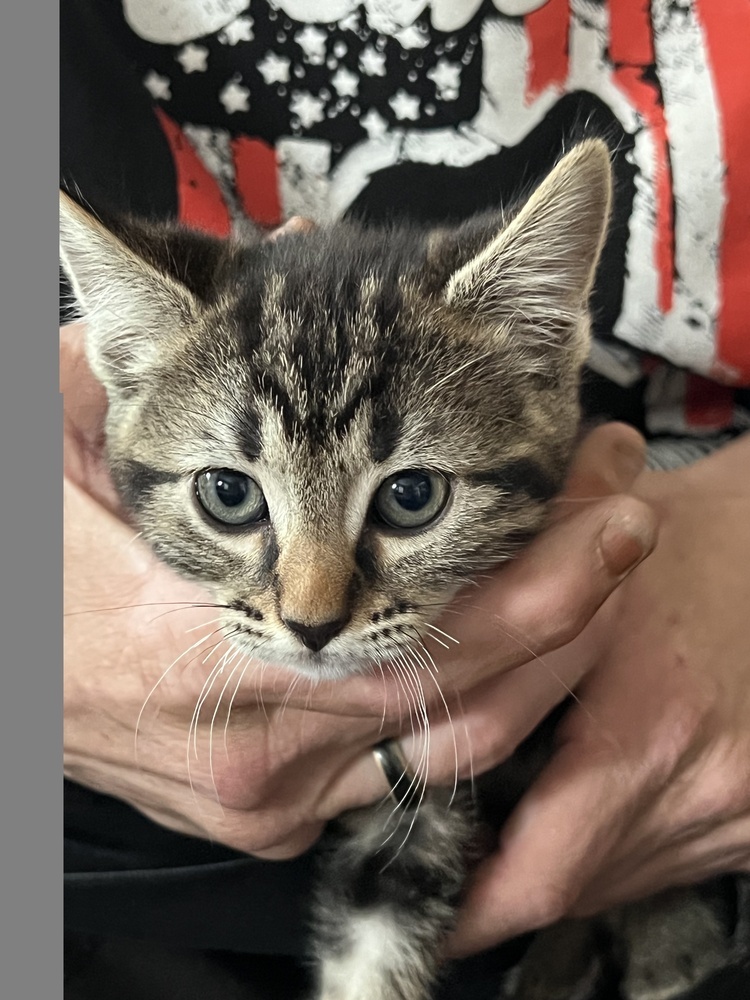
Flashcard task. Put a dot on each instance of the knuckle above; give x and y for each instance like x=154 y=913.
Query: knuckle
x=489 y=745
x=566 y=621
x=723 y=790
x=269 y=834
x=689 y=728
x=251 y=833
x=738 y=785
x=241 y=838
x=682 y=740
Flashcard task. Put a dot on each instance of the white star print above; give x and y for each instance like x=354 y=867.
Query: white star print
x=175 y=22
x=350 y=22
x=405 y=105
x=193 y=58
x=372 y=62
x=274 y=68
x=516 y=8
x=447 y=15
x=345 y=82
x=157 y=86
x=375 y=125
x=307 y=108
x=234 y=97
x=239 y=30
x=412 y=38
x=312 y=41
x=447 y=79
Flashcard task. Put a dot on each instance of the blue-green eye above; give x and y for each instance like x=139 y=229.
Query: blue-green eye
x=411 y=499
x=230 y=497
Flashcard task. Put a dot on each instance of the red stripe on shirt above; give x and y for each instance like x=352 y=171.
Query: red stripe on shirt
x=631 y=37
x=708 y=406
x=547 y=32
x=199 y=200
x=726 y=29
x=257 y=179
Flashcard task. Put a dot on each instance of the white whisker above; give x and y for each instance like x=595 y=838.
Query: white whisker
x=174 y=662
x=289 y=691
x=431 y=668
x=205 y=691
x=434 y=628
x=231 y=701
x=132 y=541
x=420 y=712
x=213 y=720
x=213 y=621
x=379 y=665
x=421 y=773
x=459 y=699
x=193 y=726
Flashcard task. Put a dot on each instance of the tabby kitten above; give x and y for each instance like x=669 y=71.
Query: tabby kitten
x=334 y=431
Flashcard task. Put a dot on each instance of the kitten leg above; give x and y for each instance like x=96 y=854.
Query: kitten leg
x=563 y=962
x=386 y=901
x=670 y=943
x=661 y=949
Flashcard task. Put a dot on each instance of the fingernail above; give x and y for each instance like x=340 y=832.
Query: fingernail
x=297 y=224
x=624 y=542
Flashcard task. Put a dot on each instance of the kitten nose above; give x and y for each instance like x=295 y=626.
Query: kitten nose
x=315 y=637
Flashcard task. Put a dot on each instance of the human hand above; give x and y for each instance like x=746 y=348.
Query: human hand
x=140 y=650
x=650 y=786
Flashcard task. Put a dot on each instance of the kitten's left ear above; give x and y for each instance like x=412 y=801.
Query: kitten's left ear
x=128 y=304
x=535 y=276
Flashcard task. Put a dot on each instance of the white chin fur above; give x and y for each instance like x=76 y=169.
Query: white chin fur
x=342 y=658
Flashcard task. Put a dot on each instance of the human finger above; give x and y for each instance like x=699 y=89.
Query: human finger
x=606 y=462
x=543 y=600
x=84 y=398
x=554 y=843
x=723 y=849
x=297 y=224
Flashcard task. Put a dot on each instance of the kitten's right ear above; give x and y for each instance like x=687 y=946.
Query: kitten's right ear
x=127 y=304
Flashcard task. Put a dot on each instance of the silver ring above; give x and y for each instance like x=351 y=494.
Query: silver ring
x=404 y=786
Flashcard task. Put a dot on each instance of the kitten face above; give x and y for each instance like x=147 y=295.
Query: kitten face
x=423 y=397
x=336 y=430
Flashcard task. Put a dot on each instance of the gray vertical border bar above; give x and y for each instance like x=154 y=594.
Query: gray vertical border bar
x=30 y=509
